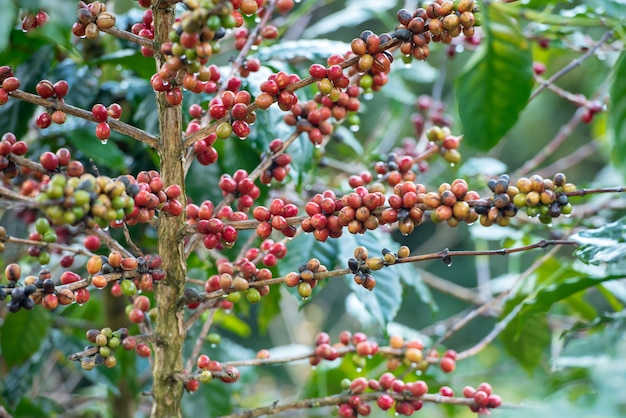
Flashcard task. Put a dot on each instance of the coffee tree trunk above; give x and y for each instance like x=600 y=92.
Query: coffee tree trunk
x=167 y=392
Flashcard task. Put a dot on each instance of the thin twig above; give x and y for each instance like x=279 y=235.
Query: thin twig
x=575 y=63
x=116 y=125
x=200 y=340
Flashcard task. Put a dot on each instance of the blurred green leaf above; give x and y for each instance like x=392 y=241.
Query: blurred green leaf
x=8 y=18
x=527 y=344
x=232 y=323
x=496 y=83
x=22 y=333
x=617 y=114
x=604 y=246
x=599 y=322
x=355 y=13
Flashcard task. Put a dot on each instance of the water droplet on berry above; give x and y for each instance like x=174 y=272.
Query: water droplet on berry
x=452 y=165
x=368 y=96
x=358 y=370
x=407 y=65
x=354 y=128
x=317 y=146
x=104 y=141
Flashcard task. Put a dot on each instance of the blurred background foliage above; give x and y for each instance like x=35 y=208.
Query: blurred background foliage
x=563 y=357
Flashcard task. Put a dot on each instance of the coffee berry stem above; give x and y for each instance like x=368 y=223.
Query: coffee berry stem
x=206 y=327
x=502 y=251
x=344 y=398
x=9 y=194
x=131 y=37
x=142 y=338
x=27 y=163
x=48 y=245
x=575 y=63
x=109 y=241
x=116 y=125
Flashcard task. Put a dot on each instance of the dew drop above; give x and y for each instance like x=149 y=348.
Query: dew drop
x=317 y=146
x=368 y=96
x=358 y=370
x=213 y=345
x=104 y=141
x=354 y=128
x=447 y=260
x=313 y=367
x=80 y=304
x=407 y=65
x=452 y=165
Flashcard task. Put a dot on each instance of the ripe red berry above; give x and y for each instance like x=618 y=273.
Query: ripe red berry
x=103 y=131
x=99 y=112
x=91 y=242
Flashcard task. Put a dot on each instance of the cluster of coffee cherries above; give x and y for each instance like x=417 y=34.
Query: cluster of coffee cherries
x=97 y=200
x=439 y=21
x=59 y=162
x=395 y=169
x=20 y=296
x=145 y=28
x=43 y=233
x=544 y=198
x=193 y=39
x=275 y=217
x=279 y=168
x=208 y=370
x=451 y=203
x=447 y=143
x=106 y=341
x=312 y=119
x=8 y=83
x=275 y=89
x=362 y=265
x=216 y=233
x=240 y=118
x=10 y=145
x=101 y=113
x=430 y=112
x=235 y=279
x=241 y=186
x=138 y=310
x=33 y=21
x=131 y=273
x=149 y=196
x=305 y=279
x=55 y=93
x=348 y=342
x=403 y=206
x=40 y=290
x=92 y=18
x=242 y=35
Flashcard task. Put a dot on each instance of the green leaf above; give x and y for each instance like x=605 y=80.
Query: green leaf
x=22 y=333
x=108 y=155
x=527 y=345
x=7 y=22
x=556 y=292
x=604 y=246
x=232 y=323
x=496 y=83
x=598 y=322
x=617 y=115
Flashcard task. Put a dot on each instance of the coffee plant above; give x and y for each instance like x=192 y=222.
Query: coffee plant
x=244 y=208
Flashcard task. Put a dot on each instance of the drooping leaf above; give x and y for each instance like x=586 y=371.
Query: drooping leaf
x=22 y=333
x=555 y=292
x=604 y=246
x=528 y=344
x=617 y=115
x=496 y=83
x=598 y=322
